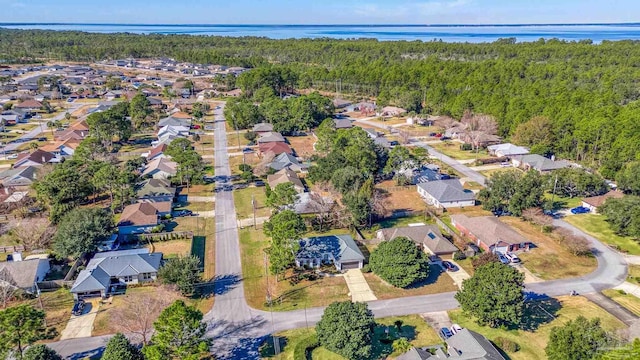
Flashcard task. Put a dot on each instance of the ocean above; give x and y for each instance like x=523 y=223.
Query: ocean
x=447 y=33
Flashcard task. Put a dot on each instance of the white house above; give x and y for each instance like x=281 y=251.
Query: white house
x=446 y=193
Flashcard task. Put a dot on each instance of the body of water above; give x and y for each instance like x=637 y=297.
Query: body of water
x=447 y=33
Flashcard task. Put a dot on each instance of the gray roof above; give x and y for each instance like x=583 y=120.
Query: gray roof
x=271 y=137
x=427 y=235
x=262 y=127
x=508 y=149
x=21 y=274
x=21 y=176
x=471 y=346
x=106 y=265
x=415 y=354
x=155 y=187
x=343 y=123
x=285 y=160
x=174 y=122
x=542 y=163
x=342 y=247
x=312 y=203
x=447 y=190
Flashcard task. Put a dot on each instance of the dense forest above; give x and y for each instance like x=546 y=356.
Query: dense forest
x=586 y=93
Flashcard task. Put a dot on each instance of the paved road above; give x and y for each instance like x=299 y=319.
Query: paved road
x=237 y=330
x=460 y=168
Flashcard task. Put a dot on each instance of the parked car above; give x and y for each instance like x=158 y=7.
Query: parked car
x=247 y=150
x=503 y=259
x=70 y=100
x=449 y=266
x=445 y=333
x=513 y=258
x=259 y=183
x=42 y=139
x=184 y=212
x=78 y=307
x=455 y=328
x=12 y=156
x=580 y=210
x=505 y=164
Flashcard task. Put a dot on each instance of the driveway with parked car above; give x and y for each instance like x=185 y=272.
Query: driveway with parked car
x=81 y=322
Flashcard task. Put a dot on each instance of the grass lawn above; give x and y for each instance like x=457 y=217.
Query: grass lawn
x=232 y=140
x=629 y=302
x=320 y=292
x=204 y=230
x=200 y=190
x=413 y=328
x=549 y=260
x=172 y=248
x=242 y=199
x=405 y=221
x=303 y=145
x=200 y=206
x=452 y=149
x=437 y=282
x=596 y=226
x=561 y=202
x=236 y=160
x=490 y=172
x=634 y=274
x=57 y=306
x=467 y=265
x=533 y=342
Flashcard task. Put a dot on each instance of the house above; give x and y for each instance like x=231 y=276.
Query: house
x=70 y=134
x=425 y=174
x=463 y=345
x=10 y=119
x=342 y=123
x=391 y=111
x=36 y=158
x=156 y=152
x=156 y=103
x=180 y=131
x=286 y=176
x=490 y=234
x=108 y=271
x=62 y=148
x=141 y=217
x=594 y=202
x=339 y=250
x=80 y=126
x=24 y=274
x=174 y=121
x=446 y=193
x=507 y=150
x=275 y=148
x=22 y=177
x=308 y=203
x=372 y=133
x=479 y=139
x=268 y=137
x=155 y=190
x=29 y=105
x=428 y=237
x=341 y=103
x=160 y=168
x=261 y=128
x=538 y=162
x=286 y=161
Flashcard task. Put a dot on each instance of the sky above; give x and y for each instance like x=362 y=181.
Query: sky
x=320 y=11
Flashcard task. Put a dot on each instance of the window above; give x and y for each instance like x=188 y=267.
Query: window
x=147 y=276
x=128 y=279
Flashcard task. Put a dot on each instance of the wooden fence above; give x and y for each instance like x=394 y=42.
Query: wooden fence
x=166 y=236
x=11 y=249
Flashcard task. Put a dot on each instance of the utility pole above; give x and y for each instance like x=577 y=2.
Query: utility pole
x=553 y=195
x=253 y=206
x=276 y=343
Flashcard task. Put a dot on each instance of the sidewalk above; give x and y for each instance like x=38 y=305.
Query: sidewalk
x=242 y=223
x=358 y=287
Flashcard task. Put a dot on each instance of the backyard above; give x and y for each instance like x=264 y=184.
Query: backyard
x=287 y=295
x=533 y=340
x=437 y=282
x=452 y=149
x=413 y=328
x=596 y=226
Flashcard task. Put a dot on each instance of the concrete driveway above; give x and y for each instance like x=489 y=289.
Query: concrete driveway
x=81 y=326
x=437 y=320
x=358 y=287
x=457 y=276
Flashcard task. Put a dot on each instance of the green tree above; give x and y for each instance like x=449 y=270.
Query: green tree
x=190 y=165
x=579 y=339
x=251 y=136
x=631 y=351
x=140 y=109
x=493 y=295
x=179 y=334
x=285 y=229
x=326 y=134
x=346 y=328
x=41 y=352
x=399 y=262
x=81 y=230
x=537 y=133
x=400 y=161
x=623 y=215
x=183 y=271
x=628 y=178
x=283 y=194
x=89 y=149
x=574 y=182
x=347 y=179
x=20 y=326
x=513 y=191
x=106 y=179
x=119 y=348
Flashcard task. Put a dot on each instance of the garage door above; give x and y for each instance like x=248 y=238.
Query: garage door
x=350 y=265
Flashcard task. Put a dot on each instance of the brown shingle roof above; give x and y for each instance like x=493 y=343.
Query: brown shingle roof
x=285 y=176
x=489 y=229
x=427 y=235
x=597 y=201
x=139 y=214
x=276 y=148
x=29 y=104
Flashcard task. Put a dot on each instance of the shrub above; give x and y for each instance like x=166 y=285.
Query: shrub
x=466 y=147
x=366 y=269
x=244 y=167
x=506 y=344
x=401 y=345
x=484 y=259
x=578 y=245
x=304 y=347
x=459 y=255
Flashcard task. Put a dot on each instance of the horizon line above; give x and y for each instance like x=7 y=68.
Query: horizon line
x=321 y=25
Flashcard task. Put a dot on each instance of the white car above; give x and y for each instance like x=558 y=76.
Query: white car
x=455 y=328
x=505 y=164
x=513 y=258
x=12 y=156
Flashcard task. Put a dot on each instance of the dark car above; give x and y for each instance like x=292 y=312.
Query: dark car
x=78 y=307
x=445 y=333
x=247 y=150
x=184 y=212
x=580 y=210
x=42 y=139
x=259 y=183
x=449 y=266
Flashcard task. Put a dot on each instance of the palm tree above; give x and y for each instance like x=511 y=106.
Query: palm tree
x=33 y=146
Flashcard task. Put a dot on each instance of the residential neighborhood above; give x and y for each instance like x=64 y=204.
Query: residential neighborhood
x=161 y=189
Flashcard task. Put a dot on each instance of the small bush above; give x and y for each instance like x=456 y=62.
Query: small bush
x=401 y=345
x=484 y=259
x=506 y=344
x=459 y=255
x=466 y=147
x=366 y=269
x=547 y=229
x=305 y=347
x=244 y=167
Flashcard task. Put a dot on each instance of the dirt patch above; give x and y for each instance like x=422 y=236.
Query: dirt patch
x=303 y=145
x=173 y=247
x=401 y=198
